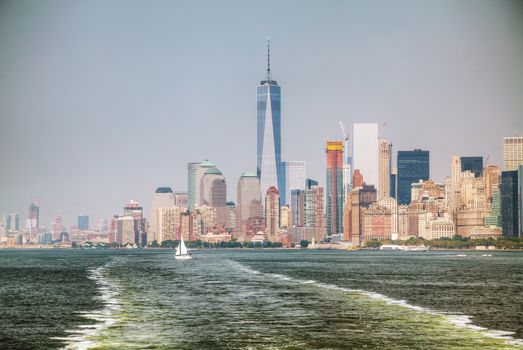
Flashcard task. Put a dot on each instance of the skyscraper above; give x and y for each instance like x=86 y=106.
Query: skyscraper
x=162 y=198
x=272 y=212
x=385 y=152
x=214 y=193
x=474 y=164
x=196 y=171
x=294 y=174
x=509 y=203
x=192 y=186
x=134 y=210
x=269 y=132
x=12 y=223
x=412 y=167
x=83 y=222
x=248 y=204
x=33 y=218
x=335 y=195
x=366 y=151
x=512 y=152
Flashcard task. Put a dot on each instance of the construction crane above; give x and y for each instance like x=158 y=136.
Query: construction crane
x=381 y=129
x=346 y=139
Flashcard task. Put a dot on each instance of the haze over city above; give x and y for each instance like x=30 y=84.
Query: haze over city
x=103 y=102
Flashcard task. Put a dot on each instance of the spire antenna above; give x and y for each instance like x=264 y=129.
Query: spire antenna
x=268 y=58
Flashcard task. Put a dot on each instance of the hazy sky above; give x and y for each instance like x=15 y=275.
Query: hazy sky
x=103 y=101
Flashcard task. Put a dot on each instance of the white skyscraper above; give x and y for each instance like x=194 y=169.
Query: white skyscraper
x=294 y=171
x=365 y=151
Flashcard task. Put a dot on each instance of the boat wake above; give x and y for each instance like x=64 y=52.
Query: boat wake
x=462 y=321
x=80 y=338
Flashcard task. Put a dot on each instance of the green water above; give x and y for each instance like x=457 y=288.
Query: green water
x=266 y=299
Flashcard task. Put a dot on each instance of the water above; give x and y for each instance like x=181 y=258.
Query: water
x=266 y=299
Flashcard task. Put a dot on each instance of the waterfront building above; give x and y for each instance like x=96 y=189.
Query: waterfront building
x=248 y=202
x=361 y=198
x=293 y=172
x=512 y=153
x=186 y=226
x=334 y=195
x=473 y=164
x=392 y=205
x=214 y=193
x=181 y=199
x=412 y=167
x=204 y=220
x=163 y=197
x=441 y=227
x=125 y=231
x=269 y=132
x=509 y=203
x=272 y=213
x=376 y=224
x=385 y=153
x=403 y=222
x=134 y=210
x=168 y=223
x=83 y=222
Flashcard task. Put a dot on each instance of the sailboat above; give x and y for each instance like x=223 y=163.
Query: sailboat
x=181 y=251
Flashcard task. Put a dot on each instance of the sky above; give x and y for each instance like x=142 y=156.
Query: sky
x=103 y=101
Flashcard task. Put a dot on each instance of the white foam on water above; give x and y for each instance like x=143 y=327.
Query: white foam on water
x=462 y=321
x=108 y=292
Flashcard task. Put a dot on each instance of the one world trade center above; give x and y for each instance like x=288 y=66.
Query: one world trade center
x=269 y=133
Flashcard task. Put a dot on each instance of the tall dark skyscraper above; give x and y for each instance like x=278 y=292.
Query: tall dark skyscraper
x=269 y=132
x=474 y=164
x=412 y=167
x=509 y=203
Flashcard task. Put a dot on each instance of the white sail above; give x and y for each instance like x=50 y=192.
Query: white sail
x=181 y=247
x=181 y=251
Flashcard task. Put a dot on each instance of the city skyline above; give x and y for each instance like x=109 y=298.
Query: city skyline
x=61 y=148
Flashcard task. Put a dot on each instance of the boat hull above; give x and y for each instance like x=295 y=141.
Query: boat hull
x=183 y=257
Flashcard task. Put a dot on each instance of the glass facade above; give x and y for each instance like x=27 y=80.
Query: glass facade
x=269 y=136
x=509 y=203
x=294 y=174
x=474 y=164
x=412 y=167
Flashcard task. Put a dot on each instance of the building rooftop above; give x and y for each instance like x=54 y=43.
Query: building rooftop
x=213 y=170
x=249 y=174
x=206 y=163
x=164 y=190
